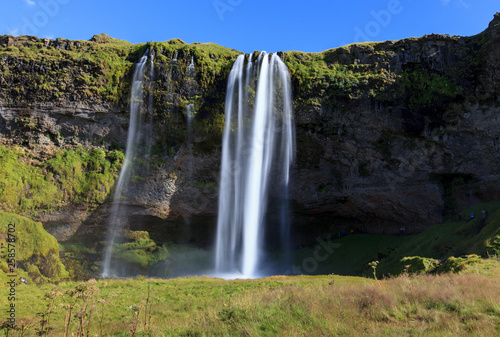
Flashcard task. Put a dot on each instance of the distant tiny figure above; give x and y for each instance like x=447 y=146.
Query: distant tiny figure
x=484 y=214
x=472 y=215
x=23 y=280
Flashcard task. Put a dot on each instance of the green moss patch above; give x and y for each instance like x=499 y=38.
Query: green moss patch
x=33 y=249
x=457 y=264
x=140 y=252
x=25 y=187
x=85 y=176
x=76 y=70
x=417 y=265
x=79 y=175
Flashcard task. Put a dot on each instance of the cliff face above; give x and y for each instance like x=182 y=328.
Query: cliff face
x=416 y=140
x=389 y=134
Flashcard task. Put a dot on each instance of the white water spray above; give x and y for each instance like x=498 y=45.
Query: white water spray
x=258 y=146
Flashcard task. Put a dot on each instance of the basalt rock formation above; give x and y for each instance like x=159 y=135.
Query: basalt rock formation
x=389 y=134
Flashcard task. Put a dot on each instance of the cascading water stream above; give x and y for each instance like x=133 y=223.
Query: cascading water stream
x=258 y=147
x=190 y=68
x=148 y=127
x=190 y=113
x=190 y=73
x=116 y=221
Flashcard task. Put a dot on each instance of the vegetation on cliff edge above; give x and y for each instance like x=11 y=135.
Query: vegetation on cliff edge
x=80 y=175
x=35 y=70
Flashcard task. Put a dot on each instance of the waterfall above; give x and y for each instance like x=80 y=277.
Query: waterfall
x=148 y=126
x=190 y=113
x=116 y=219
x=257 y=151
x=190 y=68
x=190 y=73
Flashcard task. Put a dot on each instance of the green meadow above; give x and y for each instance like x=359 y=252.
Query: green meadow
x=408 y=286
x=450 y=304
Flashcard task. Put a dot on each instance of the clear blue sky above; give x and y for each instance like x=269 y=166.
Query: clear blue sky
x=247 y=25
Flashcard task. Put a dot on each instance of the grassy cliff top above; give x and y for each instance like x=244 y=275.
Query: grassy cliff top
x=100 y=70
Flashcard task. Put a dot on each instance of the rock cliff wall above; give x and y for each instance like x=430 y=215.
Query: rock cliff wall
x=390 y=134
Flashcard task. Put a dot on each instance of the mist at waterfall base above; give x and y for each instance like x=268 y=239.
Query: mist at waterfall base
x=137 y=150
x=253 y=226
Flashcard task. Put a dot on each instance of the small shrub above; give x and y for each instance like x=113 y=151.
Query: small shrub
x=457 y=264
x=417 y=265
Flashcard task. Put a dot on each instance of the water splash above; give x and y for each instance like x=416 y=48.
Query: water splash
x=257 y=148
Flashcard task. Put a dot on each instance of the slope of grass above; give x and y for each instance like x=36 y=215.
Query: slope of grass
x=325 y=76
x=453 y=238
x=26 y=245
x=351 y=254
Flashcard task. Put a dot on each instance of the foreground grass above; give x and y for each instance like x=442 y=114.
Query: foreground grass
x=425 y=305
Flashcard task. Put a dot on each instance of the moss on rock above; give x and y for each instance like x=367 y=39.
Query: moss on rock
x=24 y=187
x=80 y=175
x=458 y=264
x=33 y=249
x=139 y=253
x=48 y=70
x=417 y=265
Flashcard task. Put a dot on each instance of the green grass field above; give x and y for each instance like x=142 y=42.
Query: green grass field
x=424 y=305
x=459 y=297
x=432 y=293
